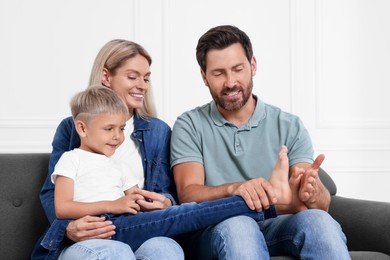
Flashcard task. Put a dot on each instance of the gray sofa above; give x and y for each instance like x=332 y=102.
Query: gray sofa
x=22 y=220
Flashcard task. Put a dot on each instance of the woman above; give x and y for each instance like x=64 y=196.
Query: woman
x=123 y=66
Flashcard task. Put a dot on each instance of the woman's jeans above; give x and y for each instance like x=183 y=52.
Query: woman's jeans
x=309 y=234
x=161 y=248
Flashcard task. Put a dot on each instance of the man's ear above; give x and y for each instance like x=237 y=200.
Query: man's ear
x=253 y=65
x=106 y=78
x=80 y=128
x=206 y=83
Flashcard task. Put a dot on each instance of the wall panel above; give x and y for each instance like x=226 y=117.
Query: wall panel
x=341 y=85
x=326 y=61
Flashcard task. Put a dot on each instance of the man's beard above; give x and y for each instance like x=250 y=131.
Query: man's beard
x=238 y=104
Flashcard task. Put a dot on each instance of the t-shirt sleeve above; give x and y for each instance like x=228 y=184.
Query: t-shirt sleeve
x=66 y=166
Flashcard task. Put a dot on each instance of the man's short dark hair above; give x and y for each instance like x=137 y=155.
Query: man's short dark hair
x=219 y=38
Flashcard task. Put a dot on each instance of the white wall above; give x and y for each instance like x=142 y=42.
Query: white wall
x=326 y=61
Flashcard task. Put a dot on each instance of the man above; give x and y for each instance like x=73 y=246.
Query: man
x=229 y=147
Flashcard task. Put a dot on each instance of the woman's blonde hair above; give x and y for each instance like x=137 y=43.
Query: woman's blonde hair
x=111 y=57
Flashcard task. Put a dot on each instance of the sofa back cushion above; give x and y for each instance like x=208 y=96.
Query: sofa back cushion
x=22 y=219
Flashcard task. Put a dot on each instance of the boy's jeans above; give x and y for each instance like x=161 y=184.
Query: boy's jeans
x=136 y=229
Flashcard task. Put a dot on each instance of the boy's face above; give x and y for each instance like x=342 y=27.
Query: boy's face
x=103 y=134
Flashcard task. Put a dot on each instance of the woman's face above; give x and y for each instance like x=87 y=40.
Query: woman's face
x=130 y=81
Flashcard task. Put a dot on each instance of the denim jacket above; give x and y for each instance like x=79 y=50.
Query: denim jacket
x=152 y=137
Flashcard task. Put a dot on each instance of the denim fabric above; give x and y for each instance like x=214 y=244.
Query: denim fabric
x=310 y=234
x=176 y=220
x=235 y=238
x=151 y=135
x=94 y=249
x=161 y=248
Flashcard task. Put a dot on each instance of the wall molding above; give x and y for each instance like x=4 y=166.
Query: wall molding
x=28 y=122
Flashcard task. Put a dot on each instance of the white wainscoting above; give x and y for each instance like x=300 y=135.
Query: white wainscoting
x=326 y=61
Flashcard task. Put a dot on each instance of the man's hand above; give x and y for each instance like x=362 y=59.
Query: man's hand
x=258 y=193
x=90 y=227
x=311 y=192
x=154 y=201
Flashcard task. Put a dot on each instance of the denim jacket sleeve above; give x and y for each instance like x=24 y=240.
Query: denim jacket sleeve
x=153 y=138
x=65 y=139
x=55 y=235
x=165 y=183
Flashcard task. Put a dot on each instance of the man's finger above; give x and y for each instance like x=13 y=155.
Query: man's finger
x=318 y=161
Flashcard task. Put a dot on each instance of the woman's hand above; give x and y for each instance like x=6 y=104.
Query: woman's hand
x=152 y=201
x=90 y=227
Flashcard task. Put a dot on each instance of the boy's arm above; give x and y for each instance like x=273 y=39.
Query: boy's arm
x=67 y=208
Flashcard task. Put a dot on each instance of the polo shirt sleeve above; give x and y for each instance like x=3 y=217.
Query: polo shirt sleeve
x=299 y=143
x=186 y=140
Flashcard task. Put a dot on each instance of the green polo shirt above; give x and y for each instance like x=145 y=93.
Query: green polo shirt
x=231 y=154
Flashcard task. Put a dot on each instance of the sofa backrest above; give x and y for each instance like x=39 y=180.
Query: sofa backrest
x=327 y=181
x=22 y=219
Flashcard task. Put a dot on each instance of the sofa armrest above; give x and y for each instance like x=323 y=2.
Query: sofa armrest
x=365 y=223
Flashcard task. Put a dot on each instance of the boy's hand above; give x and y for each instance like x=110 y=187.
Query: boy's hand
x=126 y=204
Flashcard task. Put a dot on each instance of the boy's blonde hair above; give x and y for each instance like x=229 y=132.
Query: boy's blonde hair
x=96 y=100
x=111 y=57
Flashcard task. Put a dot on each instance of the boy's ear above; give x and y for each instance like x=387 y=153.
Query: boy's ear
x=80 y=128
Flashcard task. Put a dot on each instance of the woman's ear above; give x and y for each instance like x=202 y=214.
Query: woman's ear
x=106 y=77
x=81 y=128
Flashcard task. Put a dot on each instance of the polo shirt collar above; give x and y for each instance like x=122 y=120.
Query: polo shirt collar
x=258 y=115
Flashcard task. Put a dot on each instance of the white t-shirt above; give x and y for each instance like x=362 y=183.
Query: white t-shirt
x=96 y=176
x=128 y=154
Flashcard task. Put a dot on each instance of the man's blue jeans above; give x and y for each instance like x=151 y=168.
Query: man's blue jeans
x=136 y=229
x=310 y=234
